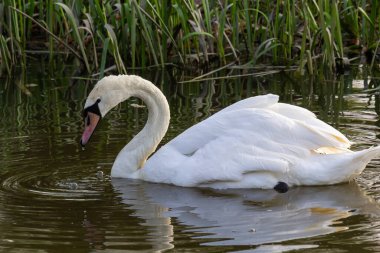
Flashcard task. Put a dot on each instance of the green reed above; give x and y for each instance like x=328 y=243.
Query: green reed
x=5 y=63
x=190 y=33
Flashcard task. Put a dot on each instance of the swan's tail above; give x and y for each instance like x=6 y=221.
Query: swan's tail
x=326 y=169
x=366 y=155
x=356 y=162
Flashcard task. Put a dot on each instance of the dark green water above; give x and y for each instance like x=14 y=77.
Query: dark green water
x=56 y=197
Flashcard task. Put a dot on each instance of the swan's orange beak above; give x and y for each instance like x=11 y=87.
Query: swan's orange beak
x=91 y=120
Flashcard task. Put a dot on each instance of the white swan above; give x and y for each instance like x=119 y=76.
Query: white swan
x=254 y=143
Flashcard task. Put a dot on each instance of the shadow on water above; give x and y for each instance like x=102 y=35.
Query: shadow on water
x=55 y=197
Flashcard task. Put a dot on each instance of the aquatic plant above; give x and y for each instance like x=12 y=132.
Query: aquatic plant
x=190 y=33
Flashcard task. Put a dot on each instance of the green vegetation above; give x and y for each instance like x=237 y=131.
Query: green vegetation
x=190 y=33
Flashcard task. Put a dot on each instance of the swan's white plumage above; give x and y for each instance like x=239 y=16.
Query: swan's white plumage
x=254 y=143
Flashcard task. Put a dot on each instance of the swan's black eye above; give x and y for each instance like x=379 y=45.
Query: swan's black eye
x=93 y=108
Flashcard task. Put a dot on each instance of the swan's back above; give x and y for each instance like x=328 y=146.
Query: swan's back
x=264 y=101
x=263 y=115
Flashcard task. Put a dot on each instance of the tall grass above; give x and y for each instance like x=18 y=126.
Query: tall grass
x=190 y=33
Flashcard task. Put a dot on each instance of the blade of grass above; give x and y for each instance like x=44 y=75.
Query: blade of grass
x=50 y=33
x=235 y=24
x=115 y=49
x=328 y=53
x=30 y=11
x=247 y=18
x=104 y=57
x=87 y=29
x=336 y=28
x=222 y=22
x=50 y=21
x=263 y=48
x=149 y=39
x=192 y=34
x=183 y=18
x=212 y=72
x=374 y=57
x=5 y=54
x=77 y=36
x=255 y=74
x=164 y=27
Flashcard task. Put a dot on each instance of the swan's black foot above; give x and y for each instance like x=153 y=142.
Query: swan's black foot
x=281 y=187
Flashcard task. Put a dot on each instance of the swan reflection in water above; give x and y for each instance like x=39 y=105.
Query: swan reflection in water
x=242 y=217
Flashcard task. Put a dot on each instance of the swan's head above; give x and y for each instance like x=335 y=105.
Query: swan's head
x=107 y=93
x=112 y=90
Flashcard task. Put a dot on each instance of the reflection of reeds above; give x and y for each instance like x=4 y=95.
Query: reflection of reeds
x=141 y=33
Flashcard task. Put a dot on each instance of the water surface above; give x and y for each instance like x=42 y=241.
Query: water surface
x=56 y=197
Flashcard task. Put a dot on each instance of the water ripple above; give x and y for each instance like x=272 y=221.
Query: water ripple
x=45 y=185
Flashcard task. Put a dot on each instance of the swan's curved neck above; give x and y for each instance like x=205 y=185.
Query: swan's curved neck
x=133 y=156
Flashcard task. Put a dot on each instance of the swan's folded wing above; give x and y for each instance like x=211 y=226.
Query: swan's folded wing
x=309 y=118
x=269 y=124
x=233 y=161
x=292 y=111
x=196 y=136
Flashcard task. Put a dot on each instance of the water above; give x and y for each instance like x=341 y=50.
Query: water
x=56 y=197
